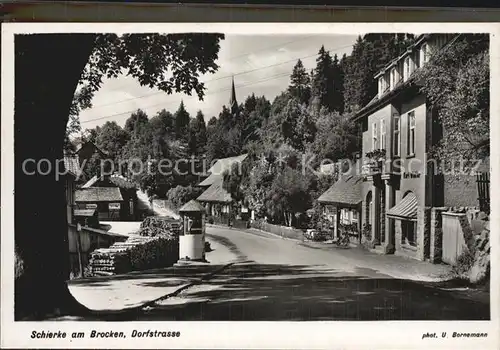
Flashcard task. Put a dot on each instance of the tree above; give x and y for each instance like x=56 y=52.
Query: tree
x=180 y=195
x=338 y=85
x=255 y=113
x=197 y=135
x=297 y=125
x=289 y=195
x=182 y=120
x=223 y=143
x=456 y=82
x=48 y=70
x=137 y=120
x=322 y=83
x=165 y=122
x=212 y=123
x=111 y=139
x=300 y=84
x=337 y=137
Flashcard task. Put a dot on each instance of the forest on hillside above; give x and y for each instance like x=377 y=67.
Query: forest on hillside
x=310 y=118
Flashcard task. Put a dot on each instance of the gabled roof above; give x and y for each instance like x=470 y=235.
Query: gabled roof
x=346 y=191
x=72 y=165
x=89 y=143
x=98 y=194
x=192 y=206
x=217 y=170
x=215 y=193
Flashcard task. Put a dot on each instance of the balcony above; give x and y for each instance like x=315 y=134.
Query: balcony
x=374 y=162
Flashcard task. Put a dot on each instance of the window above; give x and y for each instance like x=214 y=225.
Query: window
x=393 y=78
x=409 y=229
x=424 y=54
x=374 y=137
x=354 y=217
x=382 y=134
x=411 y=133
x=380 y=86
x=397 y=136
x=407 y=71
x=416 y=59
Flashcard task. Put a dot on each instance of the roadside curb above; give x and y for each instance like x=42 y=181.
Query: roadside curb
x=256 y=230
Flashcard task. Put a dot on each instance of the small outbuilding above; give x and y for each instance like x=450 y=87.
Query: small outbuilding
x=192 y=237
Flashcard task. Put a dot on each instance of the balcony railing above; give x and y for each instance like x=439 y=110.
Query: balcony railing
x=374 y=162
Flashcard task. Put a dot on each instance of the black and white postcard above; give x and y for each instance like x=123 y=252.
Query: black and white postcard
x=263 y=177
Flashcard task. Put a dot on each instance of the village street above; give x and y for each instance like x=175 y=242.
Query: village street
x=280 y=279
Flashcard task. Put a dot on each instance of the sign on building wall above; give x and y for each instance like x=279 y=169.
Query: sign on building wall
x=114 y=206
x=91 y=206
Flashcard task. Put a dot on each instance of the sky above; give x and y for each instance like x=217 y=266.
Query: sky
x=260 y=64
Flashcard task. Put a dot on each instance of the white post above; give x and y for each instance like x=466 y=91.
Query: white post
x=79 y=248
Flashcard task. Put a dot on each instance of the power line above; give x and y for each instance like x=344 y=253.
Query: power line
x=248 y=53
x=224 y=77
x=172 y=102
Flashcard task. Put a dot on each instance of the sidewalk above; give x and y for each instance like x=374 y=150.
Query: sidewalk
x=137 y=288
x=393 y=265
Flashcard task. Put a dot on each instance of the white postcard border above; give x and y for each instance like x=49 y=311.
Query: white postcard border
x=230 y=335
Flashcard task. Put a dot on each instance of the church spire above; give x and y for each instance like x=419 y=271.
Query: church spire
x=233 y=104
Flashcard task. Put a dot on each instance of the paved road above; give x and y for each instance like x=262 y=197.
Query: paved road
x=282 y=280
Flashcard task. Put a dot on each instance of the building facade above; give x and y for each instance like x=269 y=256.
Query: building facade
x=341 y=206
x=398 y=130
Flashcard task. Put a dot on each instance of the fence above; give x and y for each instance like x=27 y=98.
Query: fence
x=282 y=231
x=483 y=189
x=453 y=237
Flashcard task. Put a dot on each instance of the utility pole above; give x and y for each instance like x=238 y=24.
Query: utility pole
x=79 y=247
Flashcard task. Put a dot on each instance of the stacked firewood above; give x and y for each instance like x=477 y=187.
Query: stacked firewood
x=109 y=261
x=160 y=225
x=136 y=254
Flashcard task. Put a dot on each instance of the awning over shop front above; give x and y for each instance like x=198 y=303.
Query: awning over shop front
x=406 y=209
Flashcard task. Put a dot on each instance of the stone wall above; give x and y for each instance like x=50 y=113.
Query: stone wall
x=480 y=269
x=436 y=234
x=382 y=215
x=398 y=233
x=426 y=231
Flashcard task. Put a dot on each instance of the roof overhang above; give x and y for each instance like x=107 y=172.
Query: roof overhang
x=406 y=87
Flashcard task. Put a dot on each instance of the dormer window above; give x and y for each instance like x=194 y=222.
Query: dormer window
x=380 y=86
x=424 y=54
x=394 y=77
x=407 y=68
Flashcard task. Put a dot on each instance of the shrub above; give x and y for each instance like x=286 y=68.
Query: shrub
x=464 y=264
x=180 y=195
